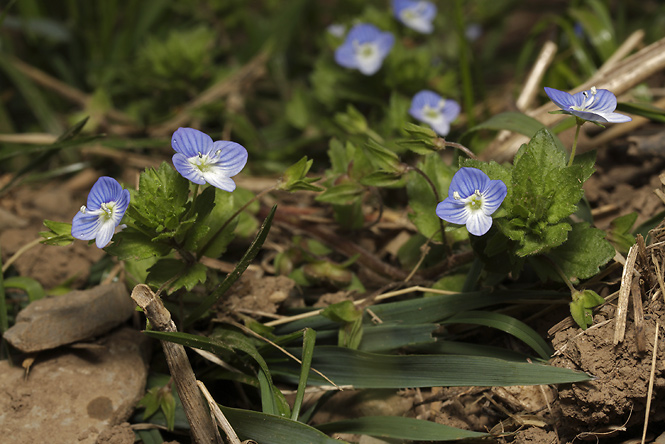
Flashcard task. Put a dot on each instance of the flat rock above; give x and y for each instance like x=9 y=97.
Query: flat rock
x=75 y=316
x=74 y=395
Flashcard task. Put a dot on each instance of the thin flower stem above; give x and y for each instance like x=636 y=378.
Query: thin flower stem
x=580 y=122
x=562 y=275
x=234 y=215
x=438 y=199
x=20 y=251
x=441 y=142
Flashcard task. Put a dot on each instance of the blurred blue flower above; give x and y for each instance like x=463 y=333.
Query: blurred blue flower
x=472 y=198
x=336 y=29
x=107 y=203
x=595 y=105
x=364 y=49
x=431 y=108
x=201 y=160
x=417 y=15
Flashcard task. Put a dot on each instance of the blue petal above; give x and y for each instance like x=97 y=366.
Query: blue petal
x=219 y=180
x=105 y=190
x=605 y=102
x=453 y=211
x=590 y=116
x=187 y=170
x=466 y=181
x=451 y=110
x=345 y=55
x=120 y=207
x=616 y=117
x=85 y=226
x=493 y=196
x=363 y=33
x=560 y=98
x=400 y=5
x=478 y=223
x=105 y=233
x=232 y=159
x=422 y=98
x=385 y=42
x=191 y=142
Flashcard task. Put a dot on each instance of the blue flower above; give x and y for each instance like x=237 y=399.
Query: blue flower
x=201 y=160
x=364 y=49
x=431 y=108
x=417 y=15
x=107 y=203
x=472 y=199
x=595 y=105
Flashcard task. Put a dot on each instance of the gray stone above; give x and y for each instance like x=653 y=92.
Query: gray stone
x=75 y=316
x=74 y=395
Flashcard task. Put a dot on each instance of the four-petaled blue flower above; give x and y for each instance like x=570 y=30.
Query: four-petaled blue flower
x=107 y=203
x=364 y=48
x=472 y=198
x=431 y=108
x=201 y=160
x=595 y=105
x=417 y=15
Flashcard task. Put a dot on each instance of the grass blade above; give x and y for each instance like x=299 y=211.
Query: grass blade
x=309 y=339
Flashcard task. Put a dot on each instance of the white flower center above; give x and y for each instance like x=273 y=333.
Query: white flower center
x=105 y=211
x=204 y=162
x=474 y=202
x=588 y=100
x=365 y=51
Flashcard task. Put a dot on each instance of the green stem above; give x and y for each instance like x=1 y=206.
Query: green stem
x=437 y=198
x=202 y=250
x=464 y=63
x=580 y=122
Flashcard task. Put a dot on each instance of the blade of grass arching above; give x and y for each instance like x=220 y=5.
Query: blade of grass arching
x=600 y=36
x=32 y=287
x=244 y=262
x=374 y=370
x=308 y=341
x=33 y=97
x=270 y=429
x=464 y=348
x=268 y=401
x=393 y=336
x=577 y=47
x=642 y=109
x=427 y=310
x=398 y=427
x=506 y=324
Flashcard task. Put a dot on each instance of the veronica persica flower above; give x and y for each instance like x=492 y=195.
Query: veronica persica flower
x=201 y=160
x=417 y=15
x=107 y=203
x=472 y=198
x=595 y=105
x=437 y=112
x=364 y=49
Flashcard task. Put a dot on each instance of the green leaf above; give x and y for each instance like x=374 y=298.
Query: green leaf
x=213 y=243
x=295 y=177
x=511 y=121
x=160 y=199
x=421 y=141
x=381 y=157
x=309 y=340
x=342 y=194
x=507 y=324
x=398 y=427
x=382 y=179
x=244 y=262
x=421 y=197
x=360 y=369
x=273 y=429
x=346 y=313
x=60 y=233
x=385 y=337
x=184 y=275
x=619 y=234
x=32 y=287
x=582 y=255
x=133 y=244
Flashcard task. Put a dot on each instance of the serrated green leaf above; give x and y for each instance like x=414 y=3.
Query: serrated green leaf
x=381 y=157
x=584 y=253
x=161 y=198
x=295 y=177
x=132 y=244
x=184 y=275
x=382 y=179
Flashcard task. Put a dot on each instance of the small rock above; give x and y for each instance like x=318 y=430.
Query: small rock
x=10 y=220
x=73 y=396
x=75 y=316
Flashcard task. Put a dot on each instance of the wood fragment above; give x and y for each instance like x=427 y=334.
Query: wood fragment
x=624 y=295
x=218 y=415
x=636 y=293
x=532 y=84
x=203 y=430
x=652 y=377
x=624 y=75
